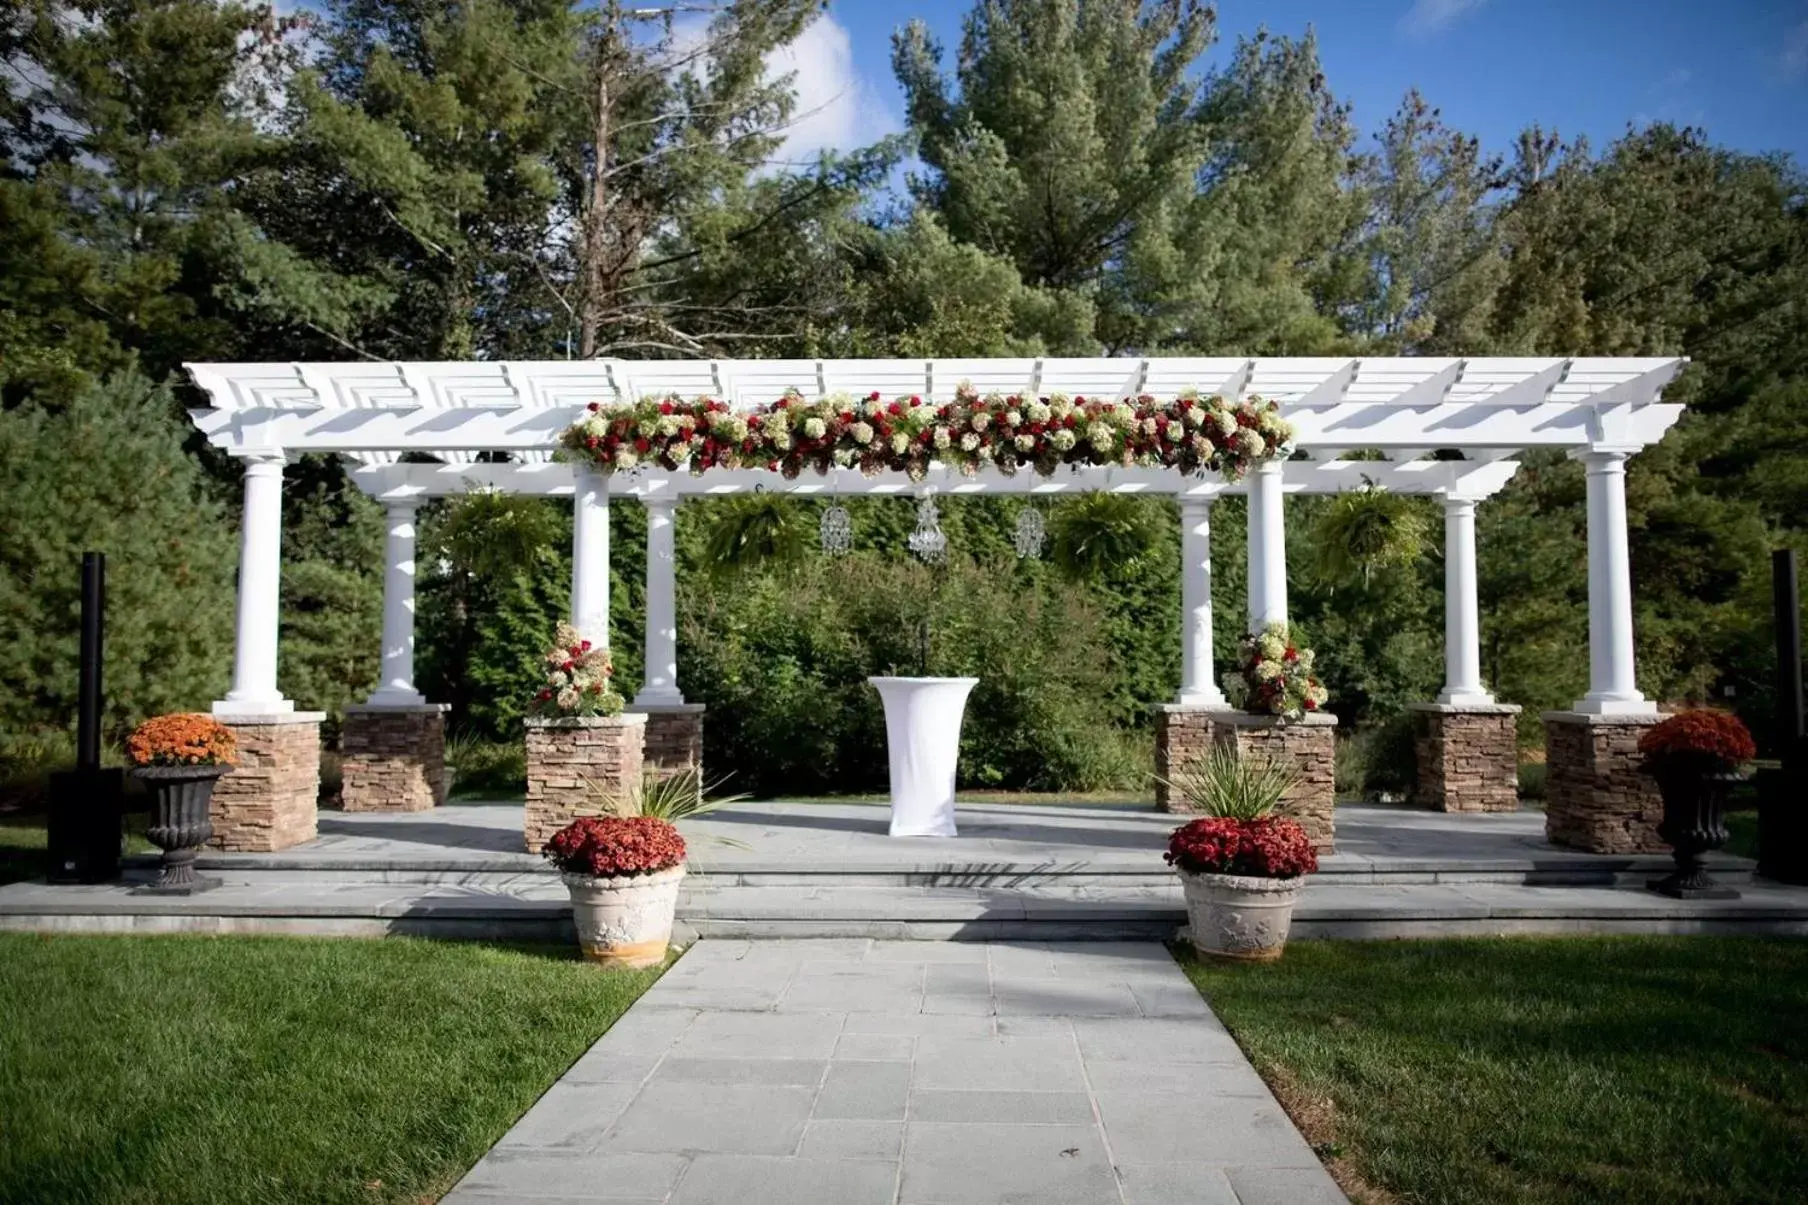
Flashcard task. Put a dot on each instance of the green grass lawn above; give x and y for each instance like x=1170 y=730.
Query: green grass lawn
x=263 y=1069
x=1537 y=1070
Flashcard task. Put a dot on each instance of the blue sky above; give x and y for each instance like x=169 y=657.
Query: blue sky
x=1738 y=68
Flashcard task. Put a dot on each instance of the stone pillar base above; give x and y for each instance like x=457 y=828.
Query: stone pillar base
x=1595 y=797
x=575 y=767
x=1182 y=733
x=1308 y=747
x=674 y=738
x=271 y=799
x=394 y=758
x=1468 y=757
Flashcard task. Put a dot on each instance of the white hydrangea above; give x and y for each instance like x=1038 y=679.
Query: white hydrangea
x=1268 y=671
x=845 y=457
x=667 y=426
x=625 y=458
x=1150 y=426
x=969 y=442
x=899 y=443
x=1063 y=439
x=782 y=440
x=1193 y=417
x=987 y=452
x=1013 y=418
x=1100 y=435
x=1227 y=422
x=814 y=428
x=1125 y=412
x=1026 y=443
x=1250 y=442
x=874 y=407
x=568 y=698
x=862 y=433
x=943 y=437
x=981 y=421
x=1060 y=406
x=1271 y=646
x=1039 y=412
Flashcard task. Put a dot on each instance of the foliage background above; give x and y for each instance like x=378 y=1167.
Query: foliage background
x=189 y=180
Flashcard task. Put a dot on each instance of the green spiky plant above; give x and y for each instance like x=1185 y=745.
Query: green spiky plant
x=1367 y=530
x=1221 y=783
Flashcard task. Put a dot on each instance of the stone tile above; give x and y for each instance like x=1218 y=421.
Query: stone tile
x=757 y=1119
x=519 y=1174
x=598 y=1066
x=884 y=1046
x=765 y=1035
x=1285 y=1186
x=571 y=1115
x=1062 y=998
x=880 y=989
x=1146 y=1127
x=1156 y=1040
x=753 y=1180
x=645 y=1030
x=803 y=1073
x=853 y=1140
x=914 y=1026
x=1175 y=1184
x=1164 y=998
x=965 y=1164
x=863 y=1091
x=972 y=953
x=1004 y=1108
x=1181 y=1079
x=997 y=1064
x=1036 y=1027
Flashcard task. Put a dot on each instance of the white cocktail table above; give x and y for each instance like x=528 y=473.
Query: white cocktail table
x=922 y=736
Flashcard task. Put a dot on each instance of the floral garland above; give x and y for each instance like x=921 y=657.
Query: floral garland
x=1274 y=676
x=577 y=679
x=1191 y=433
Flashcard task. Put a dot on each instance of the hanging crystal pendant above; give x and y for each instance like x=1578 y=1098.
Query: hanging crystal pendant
x=1031 y=533
x=927 y=541
x=836 y=530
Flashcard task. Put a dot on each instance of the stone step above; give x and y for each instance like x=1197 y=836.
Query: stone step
x=540 y=911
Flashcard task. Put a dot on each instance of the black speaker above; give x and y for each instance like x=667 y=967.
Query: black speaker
x=86 y=826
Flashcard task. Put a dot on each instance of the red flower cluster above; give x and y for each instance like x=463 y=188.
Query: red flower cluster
x=602 y=847
x=1273 y=847
x=1712 y=737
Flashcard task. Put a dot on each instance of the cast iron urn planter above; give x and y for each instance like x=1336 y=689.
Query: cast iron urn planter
x=1694 y=802
x=180 y=822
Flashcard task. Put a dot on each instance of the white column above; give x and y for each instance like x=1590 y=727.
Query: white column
x=1267 y=548
x=1612 y=684
x=395 y=684
x=1198 y=686
x=660 y=685
x=260 y=594
x=1462 y=612
x=590 y=557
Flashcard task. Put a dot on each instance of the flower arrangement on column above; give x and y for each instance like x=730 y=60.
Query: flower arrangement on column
x=1190 y=433
x=579 y=679
x=1274 y=676
x=1696 y=757
x=1241 y=866
x=180 y=757
x=623 y=874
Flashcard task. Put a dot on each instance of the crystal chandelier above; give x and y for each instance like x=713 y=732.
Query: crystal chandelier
x=836 y=530
x=927 y=541
x=1031 y=533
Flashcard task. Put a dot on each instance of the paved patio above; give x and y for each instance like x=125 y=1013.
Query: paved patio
x=910 y=1073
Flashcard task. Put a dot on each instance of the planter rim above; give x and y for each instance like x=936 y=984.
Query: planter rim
x=616 y=882
x=181 y=773
x=1254 y=883
x=1722 y=776
x=878 y=678
x=1261 y=719
x=622 y=719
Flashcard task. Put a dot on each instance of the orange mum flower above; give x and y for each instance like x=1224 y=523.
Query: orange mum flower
x=184 y=739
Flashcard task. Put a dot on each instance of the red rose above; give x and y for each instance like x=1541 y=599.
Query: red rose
x=1310 y=704
x=594 y=407
x=641 y=445
x=545 y=695
x=584 y=646
x=874 y=396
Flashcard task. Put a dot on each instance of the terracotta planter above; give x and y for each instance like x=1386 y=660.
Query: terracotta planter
x=1241 y=917
x=1694 y=803
x=181 y=822
x=625 y=921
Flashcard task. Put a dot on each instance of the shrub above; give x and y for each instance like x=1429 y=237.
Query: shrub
x=486 y=768
x=1272 y=847
x=603 y=847
x=184 y=739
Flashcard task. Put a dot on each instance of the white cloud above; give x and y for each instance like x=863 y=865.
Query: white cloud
x=1427 y=17
x=836 y=108
x=1793 y=57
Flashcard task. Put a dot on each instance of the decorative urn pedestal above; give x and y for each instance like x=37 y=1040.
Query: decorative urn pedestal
x=1238 y=916
x=1694 y=804
x=181 y=823
x=625 y=920
x=922 y=737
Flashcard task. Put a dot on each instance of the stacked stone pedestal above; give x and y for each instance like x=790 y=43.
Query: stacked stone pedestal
x=1468 y=757
x=1181 y=734
x=271 y=799
x=674 y=738
x=1307 y=746
x=1596 y=799
x=577 y=767
x=394 y=758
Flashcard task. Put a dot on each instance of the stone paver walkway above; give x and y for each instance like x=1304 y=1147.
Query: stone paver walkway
x=855 y=1072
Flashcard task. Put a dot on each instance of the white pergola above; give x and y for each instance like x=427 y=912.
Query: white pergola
x=495 y=426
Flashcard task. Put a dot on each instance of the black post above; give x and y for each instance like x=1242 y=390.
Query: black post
x=85 y=826
x=1783 y=793
x=94 y=601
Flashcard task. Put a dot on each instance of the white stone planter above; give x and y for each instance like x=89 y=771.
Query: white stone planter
x=922 y=737
x=625 y=920
x=1245 y=917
